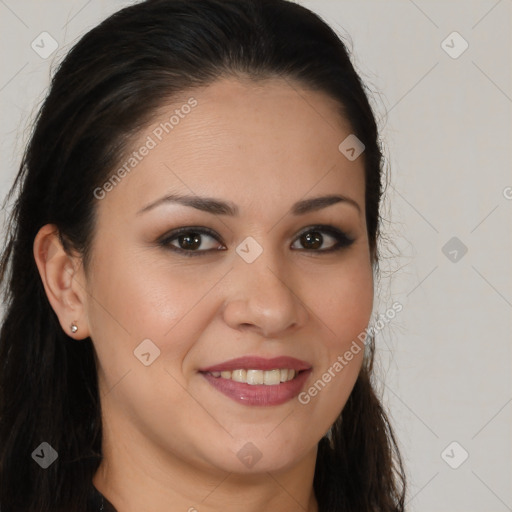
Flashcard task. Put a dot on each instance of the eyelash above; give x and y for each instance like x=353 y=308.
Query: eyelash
x=343 y=241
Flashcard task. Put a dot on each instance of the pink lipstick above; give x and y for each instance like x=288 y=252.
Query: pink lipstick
x=259 y=381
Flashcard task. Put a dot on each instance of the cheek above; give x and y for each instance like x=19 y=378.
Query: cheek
x=142 y=295
x=345 y=301
x=136 y=302
x=135 y=297
x=344 y=314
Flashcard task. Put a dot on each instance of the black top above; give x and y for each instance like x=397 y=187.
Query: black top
x=98 y=502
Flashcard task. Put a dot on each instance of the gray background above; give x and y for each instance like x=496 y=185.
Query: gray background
x=444 y=362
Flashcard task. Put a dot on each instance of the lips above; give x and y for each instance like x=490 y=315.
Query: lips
x=256 y=394
x=259 y=395
x=259 y=363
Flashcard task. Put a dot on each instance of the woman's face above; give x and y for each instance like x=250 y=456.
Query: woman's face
x=262 y=282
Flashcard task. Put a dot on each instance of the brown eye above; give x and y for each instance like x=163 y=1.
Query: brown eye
x=315 y=237
x=192 y=241
x=311 y=240
x=188 y=241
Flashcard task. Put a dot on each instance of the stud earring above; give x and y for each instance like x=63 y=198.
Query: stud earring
x=74 y=328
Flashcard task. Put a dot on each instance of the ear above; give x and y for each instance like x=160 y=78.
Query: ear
x=63 y=281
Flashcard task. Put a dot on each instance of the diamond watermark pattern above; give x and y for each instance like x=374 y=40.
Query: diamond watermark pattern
x=454 y=249
x=454 y=45
x=249 y=249
x=147 y=352
x=351 y=147
x=45 y=455
x=454 y=455
x=249 y=455
x=44 y=45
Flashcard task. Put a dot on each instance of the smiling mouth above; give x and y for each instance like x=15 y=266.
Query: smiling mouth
x=257 y=387
x=258 y=377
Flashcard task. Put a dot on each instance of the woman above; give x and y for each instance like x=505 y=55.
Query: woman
x=189 y=273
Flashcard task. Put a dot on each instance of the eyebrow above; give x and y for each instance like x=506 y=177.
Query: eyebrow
x=219 y=207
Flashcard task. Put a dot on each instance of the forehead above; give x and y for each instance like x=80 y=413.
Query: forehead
x=244 y=140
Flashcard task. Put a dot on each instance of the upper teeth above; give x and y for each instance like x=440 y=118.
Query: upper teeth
x=268 y=377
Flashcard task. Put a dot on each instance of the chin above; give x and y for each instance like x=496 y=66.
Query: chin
x=260 y=455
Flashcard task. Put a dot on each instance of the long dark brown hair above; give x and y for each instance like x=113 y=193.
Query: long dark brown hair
x=104 y=92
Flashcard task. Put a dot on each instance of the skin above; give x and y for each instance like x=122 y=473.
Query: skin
x=169 y=438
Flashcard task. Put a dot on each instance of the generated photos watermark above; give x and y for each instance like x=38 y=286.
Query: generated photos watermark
x=151 y=142
x=343 y=359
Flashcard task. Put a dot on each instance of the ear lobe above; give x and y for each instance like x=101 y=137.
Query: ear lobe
x=61 y=275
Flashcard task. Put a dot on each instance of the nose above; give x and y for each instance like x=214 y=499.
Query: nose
x=264 y=297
